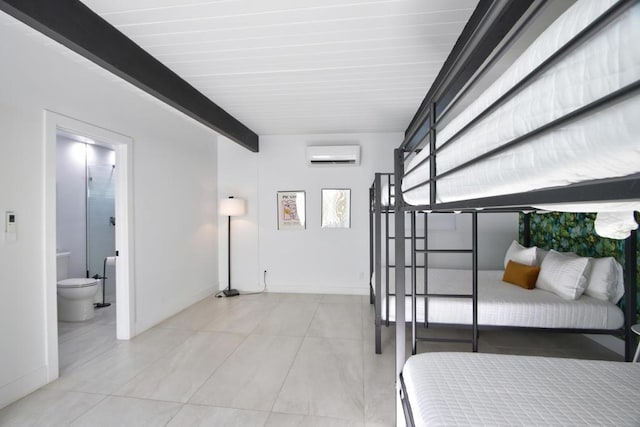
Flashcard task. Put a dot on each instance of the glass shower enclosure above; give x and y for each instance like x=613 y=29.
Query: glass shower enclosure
x=101 y=223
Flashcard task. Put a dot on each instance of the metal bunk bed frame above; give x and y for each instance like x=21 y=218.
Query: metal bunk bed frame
x=379 y=250
x=376 y=211
x=480 y=44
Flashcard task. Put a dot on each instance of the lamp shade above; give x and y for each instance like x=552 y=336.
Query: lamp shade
x=233 y=207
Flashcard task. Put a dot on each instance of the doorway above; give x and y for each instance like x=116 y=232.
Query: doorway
x=121 y=146
x=85 y=248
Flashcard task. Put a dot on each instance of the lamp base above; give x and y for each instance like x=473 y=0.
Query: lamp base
x=231 y=292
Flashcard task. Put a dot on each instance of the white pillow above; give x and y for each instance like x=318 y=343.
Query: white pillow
x=563 y=275
x=540 y=254
x=606 y=280
x=520 y=254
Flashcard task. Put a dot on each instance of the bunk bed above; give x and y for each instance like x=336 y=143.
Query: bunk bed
x=381 y=248
x=499 y=304
x=557 y=130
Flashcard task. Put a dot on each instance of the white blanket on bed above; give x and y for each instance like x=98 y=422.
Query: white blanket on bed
x=474 y=389
x=503 y=304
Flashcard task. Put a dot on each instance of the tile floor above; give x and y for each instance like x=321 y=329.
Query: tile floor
x=259 y=360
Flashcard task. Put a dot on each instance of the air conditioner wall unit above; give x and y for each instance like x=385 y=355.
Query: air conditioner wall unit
x=319 y=155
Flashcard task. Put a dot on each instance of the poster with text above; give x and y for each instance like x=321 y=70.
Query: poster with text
x=291 y=210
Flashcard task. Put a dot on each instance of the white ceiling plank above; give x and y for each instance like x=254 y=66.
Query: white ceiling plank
x=300 y=66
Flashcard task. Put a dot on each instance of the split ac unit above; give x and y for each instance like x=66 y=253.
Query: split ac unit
x=333 y=155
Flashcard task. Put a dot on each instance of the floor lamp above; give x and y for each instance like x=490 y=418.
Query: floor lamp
x=231 y=207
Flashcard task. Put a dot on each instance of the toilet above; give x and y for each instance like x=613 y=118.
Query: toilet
x=75 y=295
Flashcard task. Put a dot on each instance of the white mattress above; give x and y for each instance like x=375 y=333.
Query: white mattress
x=601 y=145
x=387 y=199
x=474 y=389
x=503 y=304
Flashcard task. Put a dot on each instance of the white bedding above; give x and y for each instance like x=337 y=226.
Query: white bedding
x=475 y=389
x=502 y=304
x=604 y=144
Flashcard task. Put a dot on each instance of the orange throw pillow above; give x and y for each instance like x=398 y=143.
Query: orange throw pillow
x=522 y=275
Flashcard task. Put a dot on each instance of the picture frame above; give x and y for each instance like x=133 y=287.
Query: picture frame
x=336 y=208
x=291 y=207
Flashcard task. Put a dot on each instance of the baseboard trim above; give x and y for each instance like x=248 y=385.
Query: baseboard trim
x=23 y=386
x=343 y=289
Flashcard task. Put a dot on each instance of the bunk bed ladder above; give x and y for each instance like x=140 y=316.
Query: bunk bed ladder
x=426 y=295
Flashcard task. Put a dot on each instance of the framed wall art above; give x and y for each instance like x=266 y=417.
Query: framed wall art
x=291 y=210
x=336 y=208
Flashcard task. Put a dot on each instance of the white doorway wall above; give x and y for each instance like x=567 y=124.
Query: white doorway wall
x=125 y=304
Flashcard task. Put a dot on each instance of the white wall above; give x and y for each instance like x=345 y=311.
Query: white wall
x=323 y=260
x=496 y=231
x=175 y=194
x=315 y=259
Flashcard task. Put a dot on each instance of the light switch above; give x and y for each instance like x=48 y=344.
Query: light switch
x=10 y=226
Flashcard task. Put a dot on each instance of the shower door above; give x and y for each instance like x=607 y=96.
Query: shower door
x=101 y=221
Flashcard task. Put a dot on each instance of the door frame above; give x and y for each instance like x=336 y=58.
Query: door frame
x=125 y=295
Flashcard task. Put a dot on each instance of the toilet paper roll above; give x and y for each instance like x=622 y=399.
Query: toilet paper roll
x=111 y=261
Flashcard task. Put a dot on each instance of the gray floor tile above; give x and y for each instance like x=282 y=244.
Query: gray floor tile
x=195 y=415
x=178 y=375
x=337 y=321
x=289 y=318
x=289 y=359
x=326 y=379
x=289 y=420
x=252 y=376
x=48 y=408
x=125 y=411
x=195 y=317
x=379 y=387
x=241 y=317
x=77 y=350
x=112 y=369
x=342 y=299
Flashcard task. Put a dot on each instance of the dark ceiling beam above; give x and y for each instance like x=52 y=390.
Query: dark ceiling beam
x=77 y=27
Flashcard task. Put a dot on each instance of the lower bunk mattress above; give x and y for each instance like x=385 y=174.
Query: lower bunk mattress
x=504 y=390
x=502 y=304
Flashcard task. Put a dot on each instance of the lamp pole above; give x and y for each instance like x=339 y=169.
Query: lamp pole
x=231 y=292
x=229 y=254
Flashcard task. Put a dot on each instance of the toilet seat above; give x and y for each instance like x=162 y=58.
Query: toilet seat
x=77 y=283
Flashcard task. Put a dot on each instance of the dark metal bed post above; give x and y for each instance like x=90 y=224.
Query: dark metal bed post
x=387 y=258
x=414 y=270
x=526 y=229
x=474 y=255
x=371 y=237
x=400 y=271
x=426 y=271
x=377 y=266
x=432 y=153
x=630 y=290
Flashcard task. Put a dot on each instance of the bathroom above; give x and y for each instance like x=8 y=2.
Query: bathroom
x=85 y=242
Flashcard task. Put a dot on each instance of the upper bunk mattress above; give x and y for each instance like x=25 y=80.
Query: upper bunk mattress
x=601 y=144
x=503 y=304
x=504 y=390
